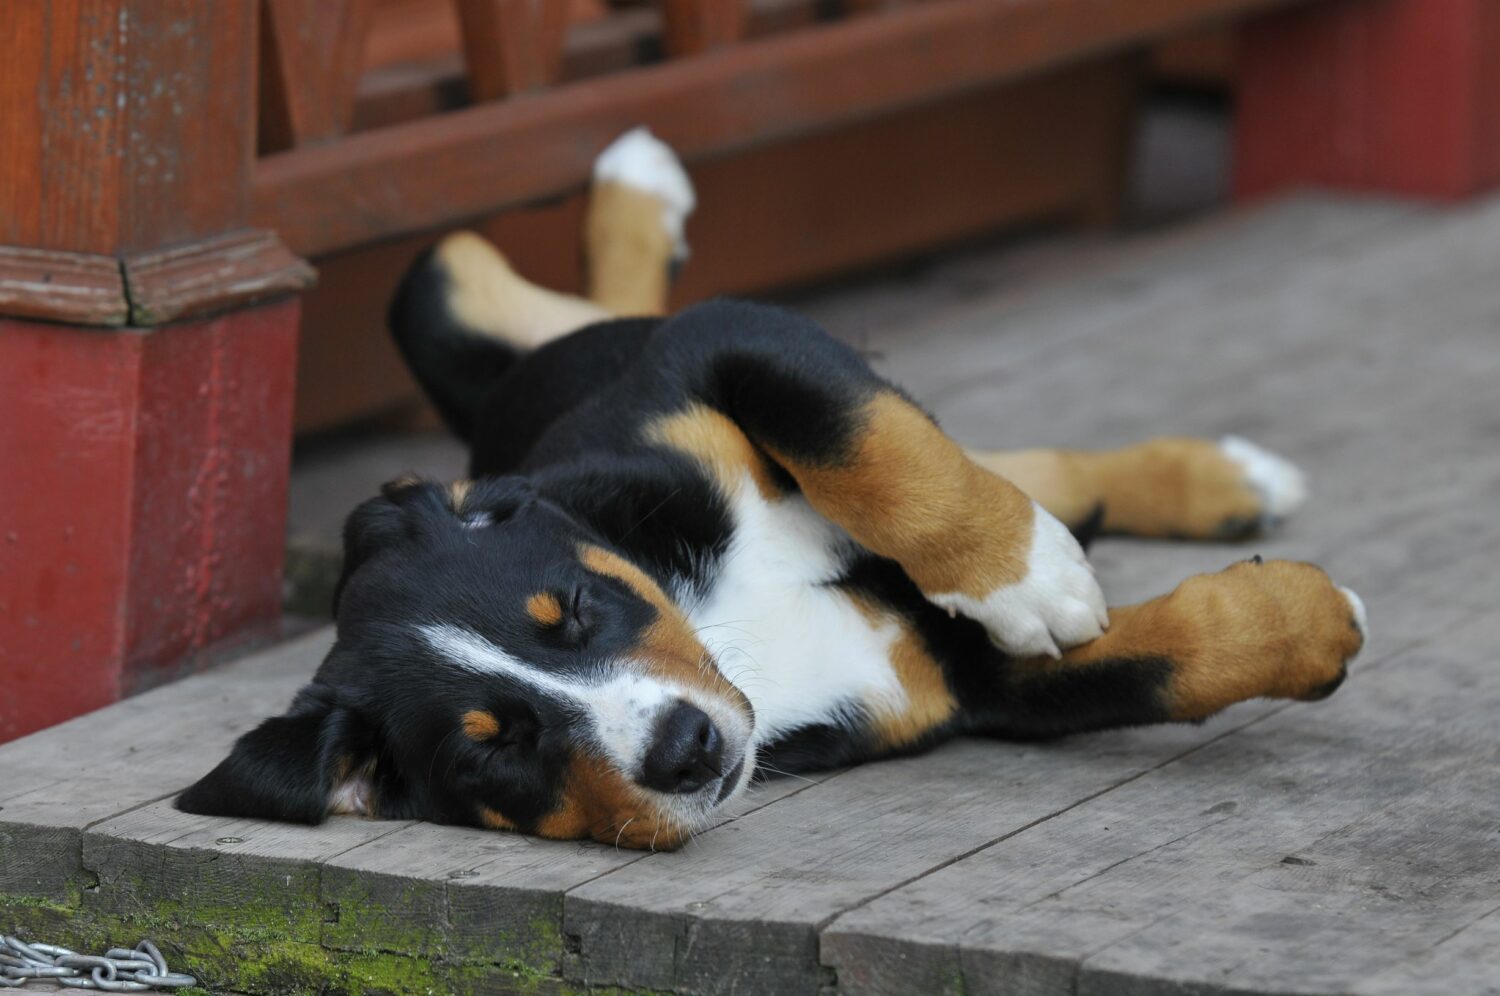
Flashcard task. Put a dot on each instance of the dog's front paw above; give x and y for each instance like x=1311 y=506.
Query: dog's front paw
x=1057 y=604
x=1274 y=628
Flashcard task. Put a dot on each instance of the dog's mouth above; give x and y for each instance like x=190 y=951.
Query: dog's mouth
x=731 y=781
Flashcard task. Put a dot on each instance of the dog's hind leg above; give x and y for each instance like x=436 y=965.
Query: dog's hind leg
x=463 y=316
x=633 y=235
x=1276 y=630
x=487 y=297
x=1180 y=488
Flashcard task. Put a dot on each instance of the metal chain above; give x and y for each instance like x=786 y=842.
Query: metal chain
x=119 y=971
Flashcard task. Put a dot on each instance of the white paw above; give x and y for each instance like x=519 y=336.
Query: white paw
x=1057 y=605
x=639 y=159
x=1278 y=482
x=1357 y=606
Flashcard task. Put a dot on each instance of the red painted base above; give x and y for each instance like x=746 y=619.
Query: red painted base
x=143 y=506
x=1391 y=95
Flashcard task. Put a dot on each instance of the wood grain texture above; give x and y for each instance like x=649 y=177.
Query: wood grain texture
x=511 y=46
x=221 y=273
x=693 y=26
x=76 y=288
x=125 y=137
x=416 y=68
x=311 y=58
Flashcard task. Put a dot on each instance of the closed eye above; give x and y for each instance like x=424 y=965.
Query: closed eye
x=577 y=615
x=512 y=731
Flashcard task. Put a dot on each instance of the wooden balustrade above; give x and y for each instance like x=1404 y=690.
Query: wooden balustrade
x=546 y=90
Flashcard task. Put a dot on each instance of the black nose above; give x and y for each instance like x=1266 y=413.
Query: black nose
x=687 y=753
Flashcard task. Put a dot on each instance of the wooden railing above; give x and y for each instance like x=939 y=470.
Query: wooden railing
x=382 y=118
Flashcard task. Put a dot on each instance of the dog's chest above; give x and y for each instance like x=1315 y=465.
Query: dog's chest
x=802 y=650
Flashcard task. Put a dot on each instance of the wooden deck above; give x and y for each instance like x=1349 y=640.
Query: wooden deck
x=1352 y=846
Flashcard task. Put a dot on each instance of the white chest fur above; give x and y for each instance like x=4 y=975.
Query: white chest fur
x=800 y=650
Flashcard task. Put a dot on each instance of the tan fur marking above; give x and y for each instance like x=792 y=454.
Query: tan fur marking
x=544 y=608
x=1279 y=629
x=629 y=250
x=712 y=439
x=458 y=493
x=910 y=493
x=668 y=646
x=487 y=296
x=1054 y=479
x=600 y=803
x=494 y=820
x=929 y=702
x=480 y=725
x=1165 y=487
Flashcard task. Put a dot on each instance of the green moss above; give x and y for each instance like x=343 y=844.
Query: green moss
x=256 y=948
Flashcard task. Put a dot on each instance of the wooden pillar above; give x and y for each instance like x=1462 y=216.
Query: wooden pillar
x=1389 y=95
x=147 y=350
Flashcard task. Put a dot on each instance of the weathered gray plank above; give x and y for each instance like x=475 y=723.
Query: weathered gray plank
x=126 y=755
x=214 y=868
x=743 y=906
x=473 y=893
x=1131 y=884
x=1219 y=355
x=1064 y=287
x=1467 y=961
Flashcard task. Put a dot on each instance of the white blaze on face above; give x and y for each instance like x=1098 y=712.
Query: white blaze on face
x=621 y=702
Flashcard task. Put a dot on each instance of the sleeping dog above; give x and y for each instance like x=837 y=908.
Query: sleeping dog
x=700 y=548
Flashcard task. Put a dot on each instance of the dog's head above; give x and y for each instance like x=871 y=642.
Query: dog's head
x=497 y=664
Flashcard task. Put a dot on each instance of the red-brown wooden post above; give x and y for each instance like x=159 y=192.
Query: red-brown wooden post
x=511 y=46
x=147 y=342
x=1391 y=95
x=693 y=26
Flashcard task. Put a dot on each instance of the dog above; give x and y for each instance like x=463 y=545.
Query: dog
x=701 y=549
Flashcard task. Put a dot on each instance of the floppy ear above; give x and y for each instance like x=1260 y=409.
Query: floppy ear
x=316 y=759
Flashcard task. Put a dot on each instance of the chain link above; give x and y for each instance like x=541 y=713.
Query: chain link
x=119 y=971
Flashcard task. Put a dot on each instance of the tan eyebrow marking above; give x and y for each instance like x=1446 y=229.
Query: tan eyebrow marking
x=545 y=608
x=480 y=724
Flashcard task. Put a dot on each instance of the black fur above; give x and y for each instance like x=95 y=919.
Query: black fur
x=561 y=459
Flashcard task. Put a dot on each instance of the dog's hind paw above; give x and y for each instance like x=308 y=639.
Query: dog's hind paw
x=643 y=162
x=1277 y=482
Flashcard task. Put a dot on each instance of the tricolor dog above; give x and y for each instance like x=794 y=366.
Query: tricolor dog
x=699 y=547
